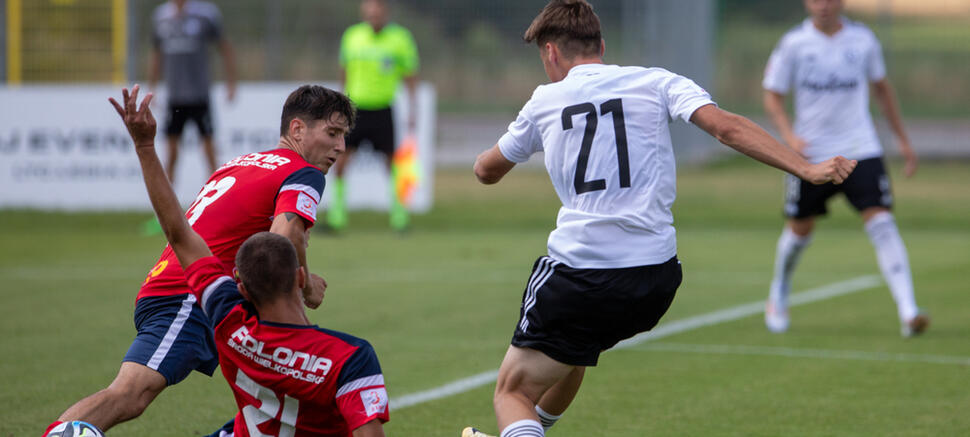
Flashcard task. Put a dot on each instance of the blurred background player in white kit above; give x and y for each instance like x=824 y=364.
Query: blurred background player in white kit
x=828 y=62
x=612 y=269
x=183 y=30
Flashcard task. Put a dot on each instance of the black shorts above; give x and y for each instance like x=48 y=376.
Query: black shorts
x=866 y=187
x=376 y=127
x=572 y=315
x=199 y=114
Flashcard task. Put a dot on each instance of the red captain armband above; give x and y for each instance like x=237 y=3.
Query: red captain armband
x=299 y=199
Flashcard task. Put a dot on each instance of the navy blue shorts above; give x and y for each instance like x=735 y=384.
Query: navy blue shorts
x=174 y=337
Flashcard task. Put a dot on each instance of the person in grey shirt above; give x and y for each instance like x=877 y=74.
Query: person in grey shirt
x=183 y=30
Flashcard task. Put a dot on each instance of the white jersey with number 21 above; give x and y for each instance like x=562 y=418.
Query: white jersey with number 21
x=604 y=130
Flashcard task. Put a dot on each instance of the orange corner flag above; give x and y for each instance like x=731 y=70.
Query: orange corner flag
x=406 y=169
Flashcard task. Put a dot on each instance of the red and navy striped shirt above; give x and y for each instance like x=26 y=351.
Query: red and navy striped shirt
x=292 y=380
x=241 y=199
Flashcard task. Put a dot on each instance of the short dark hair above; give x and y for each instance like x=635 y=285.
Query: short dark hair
x=314 y=102
x=570 y=24
x=266 y=263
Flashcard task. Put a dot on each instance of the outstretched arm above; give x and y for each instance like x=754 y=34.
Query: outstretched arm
x=370 y=429
x=229 y=63
x=746 y=137
x=886 y=97
x=492 y=165
x=154 y=69
x=411 y=82
x=189 y=247
x=774 y=103
x=291 y=225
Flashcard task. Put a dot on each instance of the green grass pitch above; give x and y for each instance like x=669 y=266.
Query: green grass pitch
x=440 y=304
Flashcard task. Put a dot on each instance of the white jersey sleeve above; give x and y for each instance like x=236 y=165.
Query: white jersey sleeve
x=780 y=70
x=683 y=97
x=875 y=64
x=522 y=139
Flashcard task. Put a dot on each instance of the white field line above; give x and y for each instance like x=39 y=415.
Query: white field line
x=749 y=309
x=452 y=388
x=661 y=331
x=722 y=349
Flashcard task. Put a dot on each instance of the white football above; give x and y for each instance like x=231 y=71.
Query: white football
x=76 y=428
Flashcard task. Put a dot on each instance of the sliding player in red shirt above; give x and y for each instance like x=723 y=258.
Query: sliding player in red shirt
x=289 y=378
x=276 y=190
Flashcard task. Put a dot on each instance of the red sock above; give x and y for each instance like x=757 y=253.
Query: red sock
x=49 y=428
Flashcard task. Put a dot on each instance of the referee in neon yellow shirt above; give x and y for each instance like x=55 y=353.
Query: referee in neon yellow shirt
x=375 y=56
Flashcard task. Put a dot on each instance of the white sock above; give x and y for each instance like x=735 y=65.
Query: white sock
x=789 y=250
x=893 y=261
x=523 y=428
x=547 y=420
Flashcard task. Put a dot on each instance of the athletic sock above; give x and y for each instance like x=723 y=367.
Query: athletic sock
x=399 y=217
x=789 y=250
x=337 y=212
x=547 y=420
x=523 y=428
x=52 y=426
x=894 y=262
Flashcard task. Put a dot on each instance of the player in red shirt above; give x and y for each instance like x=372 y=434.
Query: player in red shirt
x=277 y=191
x=289 y=378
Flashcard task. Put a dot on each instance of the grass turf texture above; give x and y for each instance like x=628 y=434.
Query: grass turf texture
x=440 y=304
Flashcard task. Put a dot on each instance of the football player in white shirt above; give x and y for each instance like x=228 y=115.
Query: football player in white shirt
x=828 y=62
x=612 y=269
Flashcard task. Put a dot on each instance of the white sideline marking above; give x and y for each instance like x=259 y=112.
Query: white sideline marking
x=805 y=353
x=749 y=309
x=663 y=330
x=449 y=389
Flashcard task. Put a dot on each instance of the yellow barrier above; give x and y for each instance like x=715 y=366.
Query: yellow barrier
x=66 y=41
x=119 y=40
x=14 y=42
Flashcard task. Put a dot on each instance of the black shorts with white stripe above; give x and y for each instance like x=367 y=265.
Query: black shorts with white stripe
x=572 y=315
x=866 y=187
